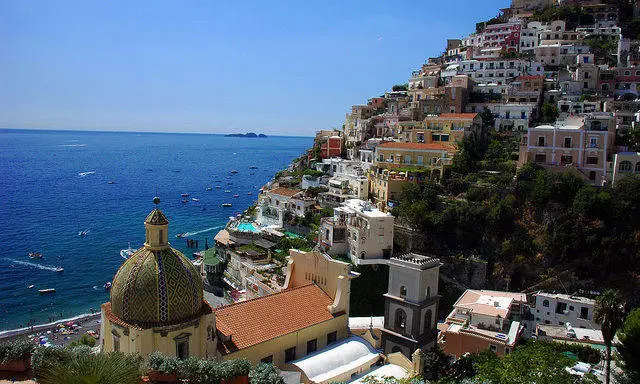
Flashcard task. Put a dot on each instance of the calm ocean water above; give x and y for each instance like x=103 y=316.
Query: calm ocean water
x=54 y=184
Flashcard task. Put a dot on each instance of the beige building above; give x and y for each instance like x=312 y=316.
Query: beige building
x=625 y=164
x=157 y=301
x=309 y=314
x=386 y=185
x=582 y=143
x=447 y=127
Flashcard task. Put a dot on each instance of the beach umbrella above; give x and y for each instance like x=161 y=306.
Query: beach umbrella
x=69 y=323
x=42 y=342
x=49 y=332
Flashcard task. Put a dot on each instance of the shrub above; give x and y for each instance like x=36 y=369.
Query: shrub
x=265 y=374
x=84 y=340
x=15 y=350
x=158 y=362
x=43 y=358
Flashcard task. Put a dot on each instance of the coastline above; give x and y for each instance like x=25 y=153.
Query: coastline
x=15 y=333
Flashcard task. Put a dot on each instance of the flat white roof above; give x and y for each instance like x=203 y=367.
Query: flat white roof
x=377 y=322
x=336 y=359
x=387 y=370
x=365 y=208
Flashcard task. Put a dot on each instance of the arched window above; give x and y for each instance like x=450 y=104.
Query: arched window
x=400 y=321
x=625 y=166
x=427 y=320
x=428 y=292
x=403 y=291
x=638 y=167
x=545 y=303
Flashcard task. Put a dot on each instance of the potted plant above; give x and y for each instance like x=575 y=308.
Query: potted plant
x=16 y=356
x=235 y=371
x=161 y=368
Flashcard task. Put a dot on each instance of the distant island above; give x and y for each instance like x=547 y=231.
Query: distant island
x=250 y=134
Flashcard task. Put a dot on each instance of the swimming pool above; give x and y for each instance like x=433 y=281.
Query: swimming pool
x=247 y=227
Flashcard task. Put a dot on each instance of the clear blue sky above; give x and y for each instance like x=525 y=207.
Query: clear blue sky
x=279 y=67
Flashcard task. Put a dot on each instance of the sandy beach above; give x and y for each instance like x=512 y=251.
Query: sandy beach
x=53 y=332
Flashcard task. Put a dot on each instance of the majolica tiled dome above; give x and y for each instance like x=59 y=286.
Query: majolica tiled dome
x=157 y=285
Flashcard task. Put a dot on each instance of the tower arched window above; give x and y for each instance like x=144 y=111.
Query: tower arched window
x=403 y=291
x=400 y=323
x=427 y=320
x=428 y=292
x=545 y=303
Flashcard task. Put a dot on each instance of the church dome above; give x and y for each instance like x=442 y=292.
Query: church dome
x=157 y=285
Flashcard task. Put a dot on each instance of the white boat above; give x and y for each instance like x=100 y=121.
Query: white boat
x=45 y=291
x=185 y=195
x=208 y=189
x=217 y=187
x=249 y=193
x=236 y=195
x=233 y=171
x=227 y=191
x=226 y=204
x=195 y=199
x=107 y=285
x=29 y=287
x=83 y=233
x=126 y=253
x=58 y=269
x=35 y=255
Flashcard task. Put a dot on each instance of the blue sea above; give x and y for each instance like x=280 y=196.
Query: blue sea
x=54 y=184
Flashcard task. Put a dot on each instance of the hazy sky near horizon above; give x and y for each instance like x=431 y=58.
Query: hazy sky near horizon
x=278 y=67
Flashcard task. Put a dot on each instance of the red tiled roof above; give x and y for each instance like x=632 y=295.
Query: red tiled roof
x=458 y=115
x=284 y=191
x=418 y=146
x=254 y=321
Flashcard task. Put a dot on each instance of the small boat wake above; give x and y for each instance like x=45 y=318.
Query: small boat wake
x=73 y=145
x=83 y=174
x=187 y=234
x=34 y=265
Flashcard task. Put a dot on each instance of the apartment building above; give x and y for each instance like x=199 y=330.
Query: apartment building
x=482 y=320
x=499 y=71
x=555 y=54
x=359 y=231
x=579 y=142
x=561 y=309
x=274 y=204
x=395 y=155
x=447 y=127
x=385 y=186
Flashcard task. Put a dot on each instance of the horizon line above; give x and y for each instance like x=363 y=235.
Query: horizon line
x=143 y=132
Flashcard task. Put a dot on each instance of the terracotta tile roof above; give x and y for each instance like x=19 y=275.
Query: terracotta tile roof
x=254 y=321
x=284 y=191
x=418 y=146
x=458 y=115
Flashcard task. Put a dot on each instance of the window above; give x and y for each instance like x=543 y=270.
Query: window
x=592 y=175
x=400 y=321
x=420 y=159
x=638 y=167
x=161 y=236
x=584 y=313
x=561 y=308
x=541 y=141
x=407 y=159
x=428 y=292
x=545 y=303
x=332 y=337
x=427 y=320
x=567 y=142
x=182 y=345
x=571 y=308
x=566 y=159
x=267 y=360
x=540 y=158
x=493 y=348
x=591 y=160
x=312 y=346
x=625 y=166
x=593 y=142
x=289 y=354
x=444 y=138
x=116 y=343
x=403 y=291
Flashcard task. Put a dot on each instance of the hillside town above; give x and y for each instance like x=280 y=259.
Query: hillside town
x=427 y=234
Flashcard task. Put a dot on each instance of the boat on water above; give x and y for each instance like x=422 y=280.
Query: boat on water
x=253 y=167
x=236 y=195
x=111 y=182
x=227 y=191
x=35 y=255
x=126 y=253
x=217 y=187
x=185 y=195
x=185 y=200
x=195 y=199
x=249 y=193
x=181 y=235
x=46 y=291
x=107 y=285
x=29 y=287
x=208 y=189
x=226 y=204
x=82 y=233
x=58 y=269
x=233 y=171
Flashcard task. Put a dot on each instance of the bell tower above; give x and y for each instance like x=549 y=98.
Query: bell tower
x=411 y=304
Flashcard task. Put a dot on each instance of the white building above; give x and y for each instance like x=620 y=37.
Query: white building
x=275 y=203
x=360 y=231
x=560 y=309
x=499 y=71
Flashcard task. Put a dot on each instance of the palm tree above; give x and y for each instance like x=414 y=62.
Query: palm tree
x=89 y=368
x=609 y=313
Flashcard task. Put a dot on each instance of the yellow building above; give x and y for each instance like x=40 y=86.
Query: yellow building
x=309 y=314
x=443 y=128
x=157 y=302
